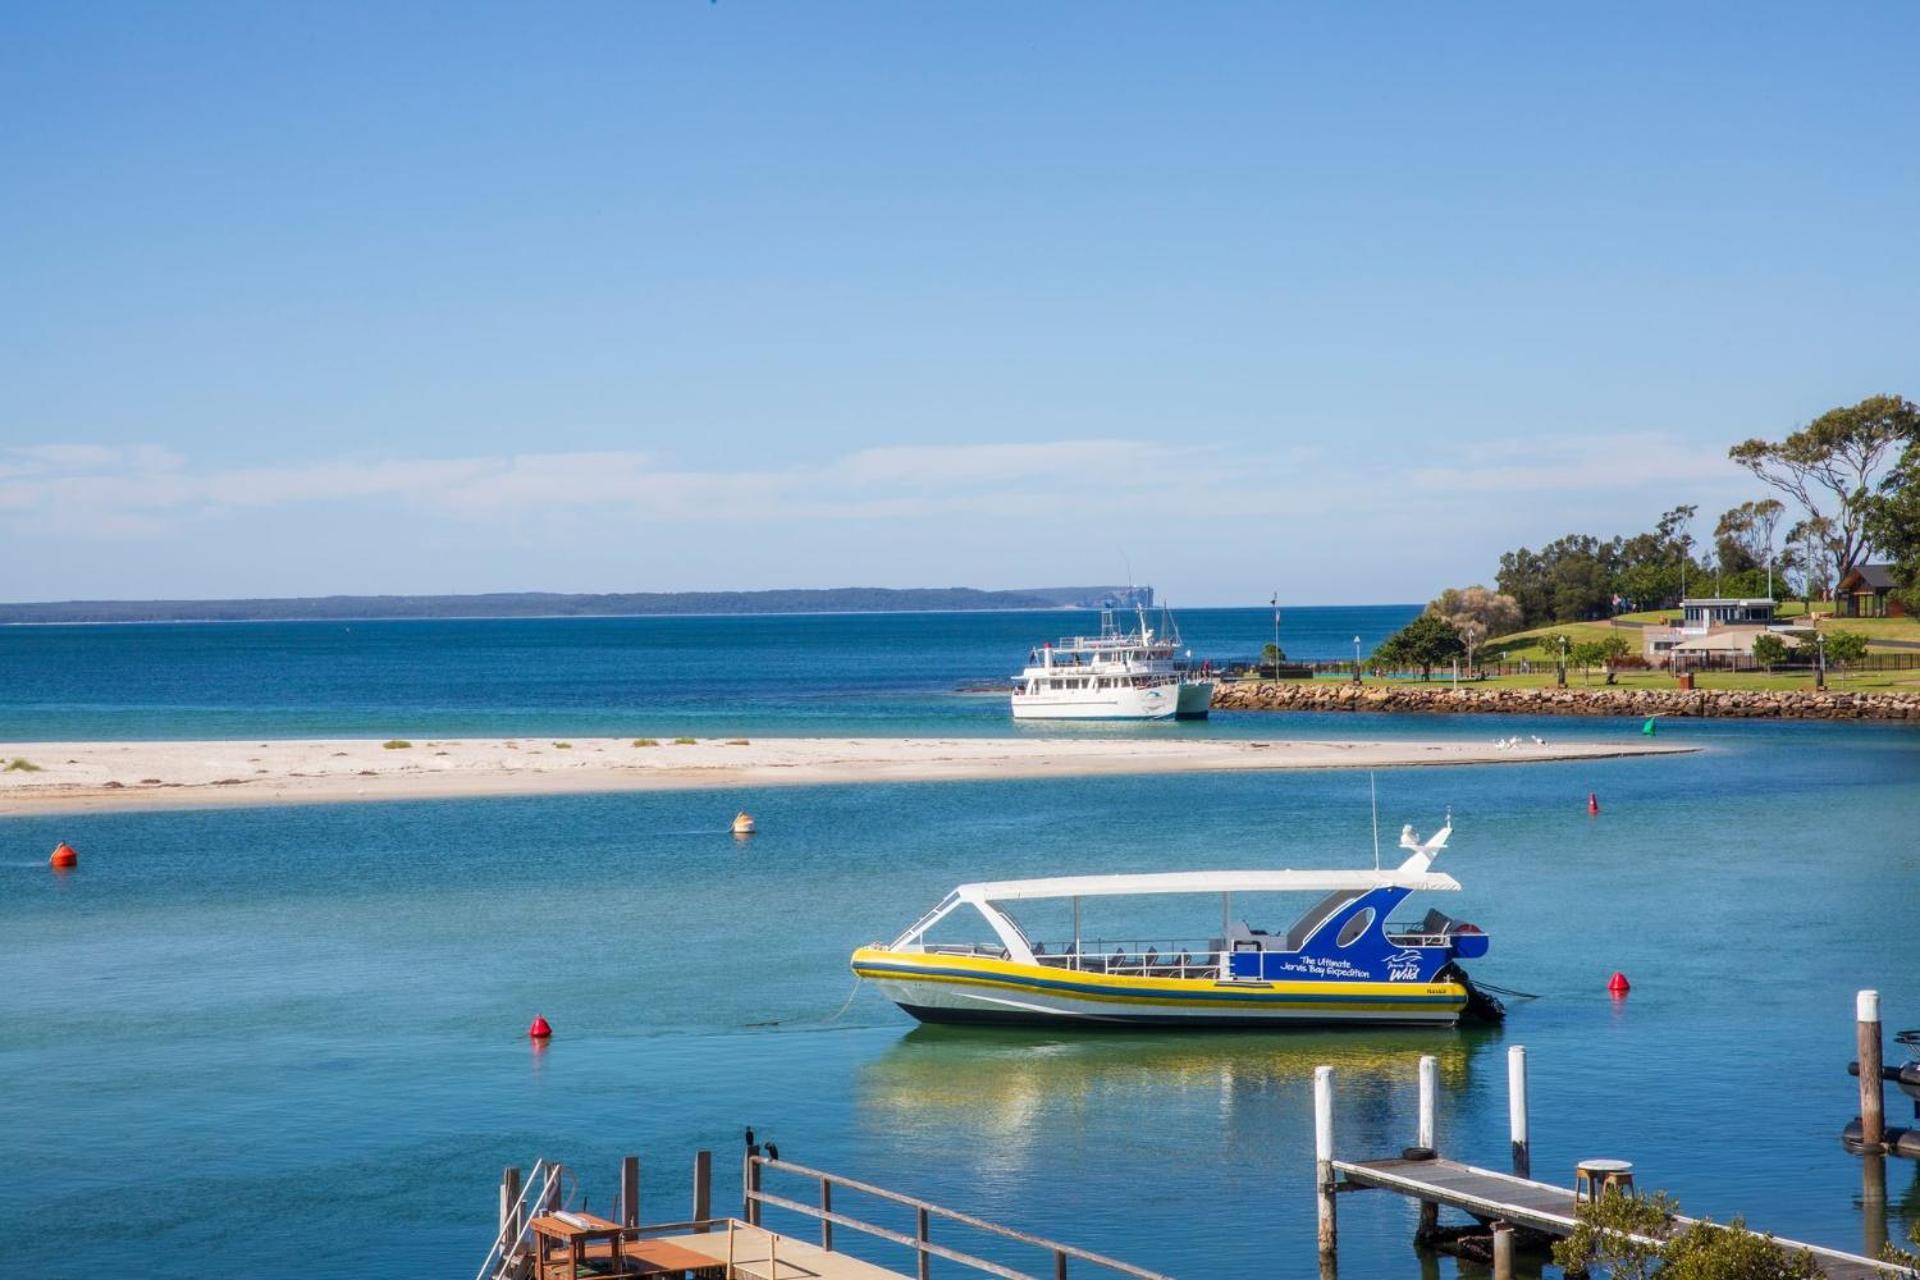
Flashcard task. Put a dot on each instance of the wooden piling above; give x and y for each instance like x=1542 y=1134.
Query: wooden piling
x=1502 y=1251
x=1517 y=1111
x=509 y=1193
x=629 y=1191
x=702 y=1187
x=1425 y=1137
x=509 y=1211
x=1873 y=1116
x=1323 y=1177
x=749 y=1186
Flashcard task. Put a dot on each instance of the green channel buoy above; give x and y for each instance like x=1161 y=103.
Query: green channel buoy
x=1647 y=728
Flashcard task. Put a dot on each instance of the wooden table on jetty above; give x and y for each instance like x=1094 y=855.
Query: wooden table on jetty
x=1487 y=1194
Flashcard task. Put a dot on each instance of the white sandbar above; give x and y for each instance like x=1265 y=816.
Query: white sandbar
x=77 y=776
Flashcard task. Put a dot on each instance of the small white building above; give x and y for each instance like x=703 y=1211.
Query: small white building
x=1713 y=627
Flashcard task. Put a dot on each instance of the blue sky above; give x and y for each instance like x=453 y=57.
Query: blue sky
x=1339 y=300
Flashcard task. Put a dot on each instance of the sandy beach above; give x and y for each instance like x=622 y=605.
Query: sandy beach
x=78 y=776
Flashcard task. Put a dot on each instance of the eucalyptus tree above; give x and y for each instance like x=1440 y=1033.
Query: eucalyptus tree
x=1833 y=467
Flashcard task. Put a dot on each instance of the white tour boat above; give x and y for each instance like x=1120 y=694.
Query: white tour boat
x=1116 y=675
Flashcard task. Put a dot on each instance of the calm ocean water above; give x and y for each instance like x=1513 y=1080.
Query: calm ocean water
x=294 y=1037
x=829 y=674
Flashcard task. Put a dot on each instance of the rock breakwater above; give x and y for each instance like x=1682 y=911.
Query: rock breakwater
x=1786 y=704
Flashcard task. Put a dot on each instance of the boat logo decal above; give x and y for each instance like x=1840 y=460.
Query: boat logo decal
x=1403 y=966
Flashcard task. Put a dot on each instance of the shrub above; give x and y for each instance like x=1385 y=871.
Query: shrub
x=738 y=742
x=563 y=746
x=646 y=742
x=1769 y=651
x=683 y=742
x=1632 y=1239
x=20 y=764
x=396 y=744
x=1845 y=646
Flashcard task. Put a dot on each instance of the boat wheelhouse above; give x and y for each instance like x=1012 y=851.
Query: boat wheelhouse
x=1341 y=962
x=1116 y=675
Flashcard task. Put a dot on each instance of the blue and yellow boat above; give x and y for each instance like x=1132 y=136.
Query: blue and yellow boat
x=1342 y=962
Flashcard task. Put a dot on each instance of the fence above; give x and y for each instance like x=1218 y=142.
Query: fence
x=1877 y=661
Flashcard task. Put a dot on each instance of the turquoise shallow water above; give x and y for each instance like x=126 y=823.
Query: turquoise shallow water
x=300 y=1031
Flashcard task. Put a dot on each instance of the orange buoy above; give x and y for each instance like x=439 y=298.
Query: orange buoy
x=64 y=856
x=1593 y=802
x=743 y=823
x=1618 y=984
x=539 y=1030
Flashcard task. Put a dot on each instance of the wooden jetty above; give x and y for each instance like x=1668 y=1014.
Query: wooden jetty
x=1501 y=1201
x=542 y=1238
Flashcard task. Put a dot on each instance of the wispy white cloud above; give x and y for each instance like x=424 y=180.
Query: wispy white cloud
x=1553 y=463
x=136 y=490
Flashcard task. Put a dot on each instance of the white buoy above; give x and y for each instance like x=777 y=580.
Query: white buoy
x=743 y=823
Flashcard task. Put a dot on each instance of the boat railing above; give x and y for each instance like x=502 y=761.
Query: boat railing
x=988 y=949
x=1417 y=939
x=1147 y=957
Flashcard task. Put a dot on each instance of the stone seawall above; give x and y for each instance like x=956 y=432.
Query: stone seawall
x=1328 y=695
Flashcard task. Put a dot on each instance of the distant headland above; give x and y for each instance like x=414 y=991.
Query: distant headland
x=547 y=604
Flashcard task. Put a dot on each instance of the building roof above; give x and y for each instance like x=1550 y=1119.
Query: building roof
x=1879 y=577
x=1750 y=602
x=1731 y=640
x=1202 y=882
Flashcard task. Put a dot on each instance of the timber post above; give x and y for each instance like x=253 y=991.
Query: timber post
x=702 y=1187
x=1323 y=1162
x=629 y=1191
x=509 y=1219
x=1517 y=1111
x=1425 y=1137
x=1502 y=1251
x=1873 y=1116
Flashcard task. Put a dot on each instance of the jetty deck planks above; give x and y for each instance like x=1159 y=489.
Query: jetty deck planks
x=1485 y=1193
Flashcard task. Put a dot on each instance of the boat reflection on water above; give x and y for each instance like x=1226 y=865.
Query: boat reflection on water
x=1003 y=1080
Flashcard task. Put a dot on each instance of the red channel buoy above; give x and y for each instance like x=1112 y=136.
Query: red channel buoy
x=539 y=1030
x=1618 y=984
x=1593 y=802
x=64 y=856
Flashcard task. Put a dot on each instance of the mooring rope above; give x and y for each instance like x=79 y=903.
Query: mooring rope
x=1505 y=991
x=825 y=1022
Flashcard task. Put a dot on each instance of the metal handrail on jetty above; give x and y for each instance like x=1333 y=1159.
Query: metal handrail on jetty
x=545 y=1209
x=925 y=1249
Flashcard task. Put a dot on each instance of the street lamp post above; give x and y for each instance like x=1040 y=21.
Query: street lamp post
x=1560 y=676
x=1276 y=635
x=1356 y=659
x=1820 y=660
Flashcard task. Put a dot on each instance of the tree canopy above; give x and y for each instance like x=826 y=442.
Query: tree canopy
x=1834 y=467
x=1426 y=642
x=1893 y=523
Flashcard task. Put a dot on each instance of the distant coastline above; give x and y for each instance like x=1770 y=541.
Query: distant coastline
x=544 y=604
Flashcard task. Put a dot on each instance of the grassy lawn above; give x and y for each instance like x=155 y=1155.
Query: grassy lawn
x=1527 y=645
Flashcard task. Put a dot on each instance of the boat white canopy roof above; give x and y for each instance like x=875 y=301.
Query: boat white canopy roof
x=1203 y=882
